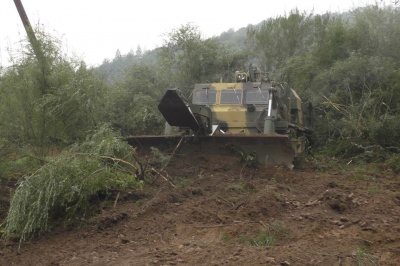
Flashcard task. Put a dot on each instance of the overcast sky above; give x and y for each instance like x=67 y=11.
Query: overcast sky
x=94 y=29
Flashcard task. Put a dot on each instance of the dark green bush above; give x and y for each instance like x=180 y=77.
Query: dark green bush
x=394 y=163
x=66 y=184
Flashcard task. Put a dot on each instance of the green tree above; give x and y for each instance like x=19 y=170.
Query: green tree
x=55 y=107
x=132 y=105
x=229 y=61
x=276 y=40
x=375 y=30
x=350 y=72
x=187 y=58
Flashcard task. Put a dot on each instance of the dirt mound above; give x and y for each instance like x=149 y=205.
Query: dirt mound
x=221 y=213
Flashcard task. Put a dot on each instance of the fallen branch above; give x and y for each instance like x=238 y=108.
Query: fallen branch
x=166 y=164
x=114 y=159
x=224 y=225
x=224 y=200
x=150 y=201
x=159 y=174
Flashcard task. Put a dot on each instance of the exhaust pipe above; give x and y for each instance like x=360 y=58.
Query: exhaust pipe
x=269 y=121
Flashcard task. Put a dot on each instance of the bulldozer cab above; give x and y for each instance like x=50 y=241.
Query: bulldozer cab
x=235 y=107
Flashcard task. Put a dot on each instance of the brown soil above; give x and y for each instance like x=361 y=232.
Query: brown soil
x=221 y=213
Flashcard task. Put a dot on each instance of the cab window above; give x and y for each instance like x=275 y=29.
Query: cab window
x=206 y=97
x=231 y=96
x=256 y=97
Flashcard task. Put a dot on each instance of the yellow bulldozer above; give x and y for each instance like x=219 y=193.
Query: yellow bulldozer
x=254 y=115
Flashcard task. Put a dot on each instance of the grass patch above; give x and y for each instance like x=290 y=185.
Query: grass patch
x=264 y=239
x=241 y=188
x=181 y=182
x=226 y=237
x=362 y=257
x=277 y=195
x=375 y=189
x=267 y=237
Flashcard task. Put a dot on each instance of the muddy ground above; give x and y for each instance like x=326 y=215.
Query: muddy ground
x=221 y=213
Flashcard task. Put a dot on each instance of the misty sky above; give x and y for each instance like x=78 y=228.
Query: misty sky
x=94 y=30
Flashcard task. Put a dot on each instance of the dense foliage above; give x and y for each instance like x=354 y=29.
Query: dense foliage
x=347 y=65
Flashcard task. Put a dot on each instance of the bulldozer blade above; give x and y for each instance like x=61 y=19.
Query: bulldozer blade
x=176 y=110
x=269 y=149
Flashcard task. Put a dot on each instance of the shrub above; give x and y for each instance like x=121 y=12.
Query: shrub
x=271 y=236
x=394 y=163
x=65 y=185
x=386 y=133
